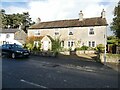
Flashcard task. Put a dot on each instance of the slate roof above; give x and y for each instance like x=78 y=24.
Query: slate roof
x=9 y=30
x=97 y=21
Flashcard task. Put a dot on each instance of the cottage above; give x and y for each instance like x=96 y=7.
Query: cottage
x=72 y=33
x=12 y=36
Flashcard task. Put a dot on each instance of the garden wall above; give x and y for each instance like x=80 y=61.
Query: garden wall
x=111 y=58
x=79 y=52
x=85 y=52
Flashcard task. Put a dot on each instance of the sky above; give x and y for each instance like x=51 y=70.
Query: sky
x=50 y=10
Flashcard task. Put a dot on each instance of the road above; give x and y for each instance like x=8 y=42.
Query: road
x=44 y=72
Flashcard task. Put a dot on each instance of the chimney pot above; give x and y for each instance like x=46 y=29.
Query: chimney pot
x=103 y=14
x=80 y=16
x=38 y=20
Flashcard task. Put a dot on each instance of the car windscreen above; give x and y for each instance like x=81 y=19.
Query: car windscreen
x=17 y=46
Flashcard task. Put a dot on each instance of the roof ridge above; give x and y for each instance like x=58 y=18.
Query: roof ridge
x=71 y=23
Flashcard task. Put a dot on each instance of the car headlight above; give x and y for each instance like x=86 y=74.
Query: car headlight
x=18 y=51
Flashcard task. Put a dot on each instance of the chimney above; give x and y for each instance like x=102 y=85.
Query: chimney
x=103 y=14
x=80 y=16
x=38 y=20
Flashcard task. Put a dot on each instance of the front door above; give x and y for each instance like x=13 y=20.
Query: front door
x=46 y=43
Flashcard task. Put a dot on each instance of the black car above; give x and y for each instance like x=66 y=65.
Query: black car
x=14 y=50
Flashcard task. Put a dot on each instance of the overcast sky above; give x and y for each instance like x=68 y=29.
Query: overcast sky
x=50 y=10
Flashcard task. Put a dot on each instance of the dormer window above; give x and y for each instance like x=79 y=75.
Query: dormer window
x=70 y=31
x=91 y=31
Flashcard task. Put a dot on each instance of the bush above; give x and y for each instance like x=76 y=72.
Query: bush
x=82 y=48
x=100 y=48
x=56 y=46
x=29 y=46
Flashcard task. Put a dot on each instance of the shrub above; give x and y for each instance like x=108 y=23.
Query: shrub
x=84 y=47
x=29 y=46
x=100 y=48
x=56 y=45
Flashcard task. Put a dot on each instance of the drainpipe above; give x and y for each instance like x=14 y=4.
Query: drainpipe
x=105 y=38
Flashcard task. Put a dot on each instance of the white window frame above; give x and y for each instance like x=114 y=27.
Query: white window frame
x=56 y=31
x=89 y=30
x=70 y=43
x=71 y=30
x=62 y=43
x=7 y=35
x=91 y=44
x=37 y=33
x=37 y=43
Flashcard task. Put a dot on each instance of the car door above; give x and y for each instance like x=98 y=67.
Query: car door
x=4 y=50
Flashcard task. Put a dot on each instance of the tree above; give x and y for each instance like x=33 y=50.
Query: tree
x=15 y=20
x=115 y=26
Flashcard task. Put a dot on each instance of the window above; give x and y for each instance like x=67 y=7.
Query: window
x=62 y=43
x=91 y=31
x=56 y=32
x=91 y=43
x=70 y=43
x=71 y=31
x=36 y=43
x=37 y=33
x=7 y=35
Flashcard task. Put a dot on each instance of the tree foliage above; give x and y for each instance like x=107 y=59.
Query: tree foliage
x=115 y=26
x=15 y=20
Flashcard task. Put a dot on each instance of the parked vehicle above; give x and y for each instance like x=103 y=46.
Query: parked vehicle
x=14 y=51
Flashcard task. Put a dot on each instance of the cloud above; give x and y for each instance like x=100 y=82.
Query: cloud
x=49 y=10
x=63 y=9
x=14 y=9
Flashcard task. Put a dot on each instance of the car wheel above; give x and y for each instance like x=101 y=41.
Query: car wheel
x=13 y=55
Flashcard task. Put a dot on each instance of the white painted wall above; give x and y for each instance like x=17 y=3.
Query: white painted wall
x=79 y=34
x=9 y=40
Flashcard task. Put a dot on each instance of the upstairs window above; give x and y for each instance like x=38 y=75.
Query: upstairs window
x=56 y=32
x=91 y=31
x=7 y=35
x=70 y=31
x=37 y=33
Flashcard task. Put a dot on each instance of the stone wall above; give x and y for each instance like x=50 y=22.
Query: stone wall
x=85 y=52
x=110 y=58
x=65 y=52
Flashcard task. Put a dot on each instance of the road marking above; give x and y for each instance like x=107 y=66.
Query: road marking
x=34 y=84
